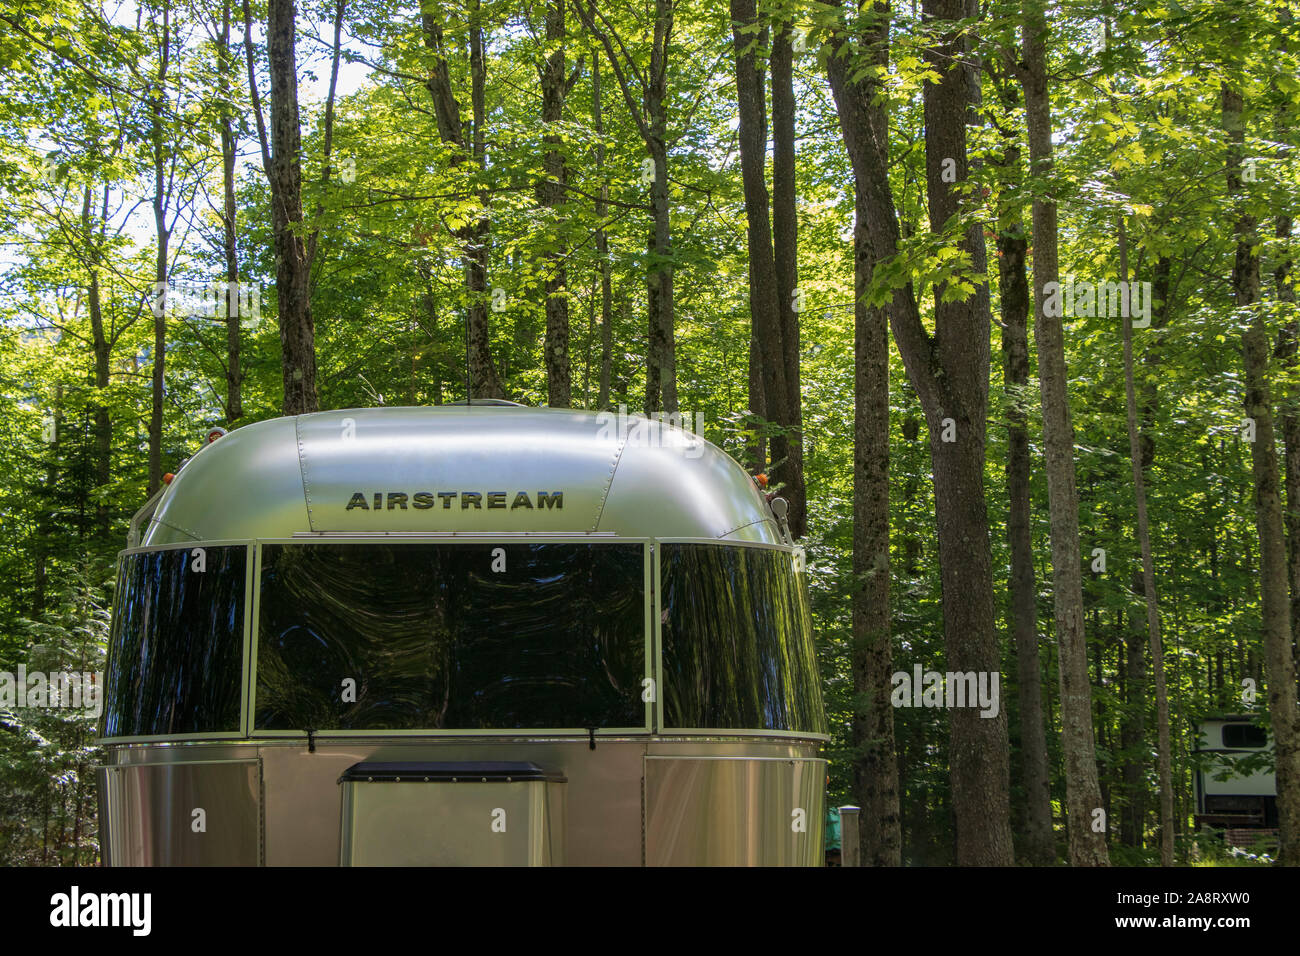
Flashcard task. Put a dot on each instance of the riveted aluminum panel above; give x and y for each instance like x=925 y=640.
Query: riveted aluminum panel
x=149 y=813
x=734 y=811
x=245 y=485
x=290 y=476
x=607 y=805
x=482 y=451
x=691 y=482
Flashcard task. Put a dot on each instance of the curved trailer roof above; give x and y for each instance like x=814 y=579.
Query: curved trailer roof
x=482 y=469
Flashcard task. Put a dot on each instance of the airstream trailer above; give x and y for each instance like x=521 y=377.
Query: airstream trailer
x=474 y=634
x=1246 y=797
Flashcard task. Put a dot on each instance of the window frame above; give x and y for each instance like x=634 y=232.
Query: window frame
x=452 y=539
x=796 y=555
x=1245 y=727
x=652 y=640
x=246 y=637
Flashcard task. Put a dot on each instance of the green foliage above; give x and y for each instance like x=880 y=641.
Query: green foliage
x=1139 y=136
x=47 y=784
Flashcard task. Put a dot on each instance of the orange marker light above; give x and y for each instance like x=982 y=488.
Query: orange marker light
x=761 y=479
x=167 y=478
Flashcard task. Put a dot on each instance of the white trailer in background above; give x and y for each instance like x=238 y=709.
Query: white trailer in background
x=1229 y=795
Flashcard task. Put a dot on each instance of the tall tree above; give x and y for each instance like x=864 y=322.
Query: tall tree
x=282 y=160
x=469 y=146
x=162 y=176
x=773 y=244
x=1013 y=294
x=875 y=764
x=550 y=194
x=229 y=211
x=785 y=251
x=1083 y=791
x=602 y=237
x=767 y=340
x=1164 y=745
x=650 y=113
x=1279 y=659
x=949 y=371
x=94 y=230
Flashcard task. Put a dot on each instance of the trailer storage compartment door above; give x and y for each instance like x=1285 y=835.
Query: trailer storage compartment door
x=452 y=814
x=734 y=811
x=190 y=813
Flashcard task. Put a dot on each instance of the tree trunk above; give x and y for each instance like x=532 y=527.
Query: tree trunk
x=234 y=374
x=102 y=348
x=662 y=320
x=757 y=452
x=785 y=247
x=602 y=240
x=44 y=536
x=979 y=749
x=649 y=112
x=429 y=304
x=1083 y=792
x=1287 y=352
x=875 y=765
x=1164 y=746
x=1284 y=287
x=161 y=198
x=950 y=375
x=550 y=195
x=484 y=382
x=764 y=293
x=1133 y=733
x=1013 y=285
x=1279 y=660
x=292 y=263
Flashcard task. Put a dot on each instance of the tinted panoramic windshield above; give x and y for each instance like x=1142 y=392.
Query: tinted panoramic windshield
x=737 y=641
x=177 y=642
x=355 y=636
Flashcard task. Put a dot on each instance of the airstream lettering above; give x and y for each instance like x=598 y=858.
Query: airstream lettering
x=423 y=500
x=629 y=675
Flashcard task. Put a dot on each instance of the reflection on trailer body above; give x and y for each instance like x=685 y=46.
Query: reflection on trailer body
x=626 y=676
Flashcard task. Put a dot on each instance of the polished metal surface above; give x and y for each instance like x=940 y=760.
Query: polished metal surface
x=302 y=810
x=194 y=813
x=697 y=796
x=602 y=795
x=298 y=475
x=452 y=824
x=734 y=811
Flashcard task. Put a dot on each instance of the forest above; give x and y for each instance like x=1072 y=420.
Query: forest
x=1000 y=295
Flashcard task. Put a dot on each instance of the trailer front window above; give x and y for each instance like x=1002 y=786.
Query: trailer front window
x=176 y=648
x=738 y=648
x=465 y=636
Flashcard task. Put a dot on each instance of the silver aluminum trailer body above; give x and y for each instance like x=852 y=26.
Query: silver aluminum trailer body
x=479 y=634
